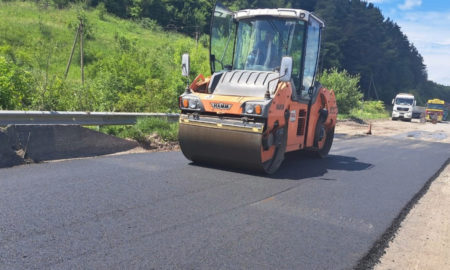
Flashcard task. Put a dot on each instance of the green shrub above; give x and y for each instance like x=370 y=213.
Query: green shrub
x=167 y=130
x=370 y=110
x=16 y=86
x=149 y=24
x=102 y=12
x=373 y=106
x=61 y=3
x=144 y=127
x=54 y=95
x=345 y=87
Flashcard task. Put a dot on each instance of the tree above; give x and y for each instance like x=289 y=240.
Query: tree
x=345 y=86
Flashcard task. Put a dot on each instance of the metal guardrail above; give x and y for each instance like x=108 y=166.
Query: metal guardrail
x=76 y=118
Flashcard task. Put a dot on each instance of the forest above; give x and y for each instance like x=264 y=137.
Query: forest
x=133 y=49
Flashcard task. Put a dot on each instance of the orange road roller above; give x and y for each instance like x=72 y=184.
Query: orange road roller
x=262 y=99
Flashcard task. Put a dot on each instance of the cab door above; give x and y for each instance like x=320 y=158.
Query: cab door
x=223 y=34
x=311 y=57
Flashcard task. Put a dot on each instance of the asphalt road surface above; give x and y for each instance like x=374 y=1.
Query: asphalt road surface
x=158 y=211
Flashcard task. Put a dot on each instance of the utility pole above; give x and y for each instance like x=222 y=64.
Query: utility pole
x=79 y=33
x=196 y=35
x=71 y=53
x=372 y=82
x=81 y=52
x=375 y=88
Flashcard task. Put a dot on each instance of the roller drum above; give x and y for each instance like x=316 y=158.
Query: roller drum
x=221 y=146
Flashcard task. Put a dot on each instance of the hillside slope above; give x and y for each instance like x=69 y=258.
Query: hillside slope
x=128 y=66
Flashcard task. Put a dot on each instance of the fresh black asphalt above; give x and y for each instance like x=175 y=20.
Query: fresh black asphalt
x=158 y=211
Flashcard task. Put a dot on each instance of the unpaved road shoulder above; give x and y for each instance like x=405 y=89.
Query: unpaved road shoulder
x=415 y=130
x=423 y=240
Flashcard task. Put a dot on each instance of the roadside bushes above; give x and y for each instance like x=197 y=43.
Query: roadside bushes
x=16 y=84
x=145 y=126
x=370 y=110
x=137 y=79
x=349 y=97
x=345 y=87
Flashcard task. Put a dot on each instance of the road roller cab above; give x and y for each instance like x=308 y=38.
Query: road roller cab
x=262 y=99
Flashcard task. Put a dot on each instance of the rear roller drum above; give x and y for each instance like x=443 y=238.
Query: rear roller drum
x=272 y=165
x=324 y=143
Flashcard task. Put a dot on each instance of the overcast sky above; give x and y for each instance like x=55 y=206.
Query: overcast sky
x=427 y=25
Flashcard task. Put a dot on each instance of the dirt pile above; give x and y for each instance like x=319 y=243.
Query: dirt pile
x=155 y=142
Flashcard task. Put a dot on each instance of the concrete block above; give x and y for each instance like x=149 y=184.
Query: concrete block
x=8 y=156
x=42 y=143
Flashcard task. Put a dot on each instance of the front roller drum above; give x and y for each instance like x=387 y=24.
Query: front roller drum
x=226 y=147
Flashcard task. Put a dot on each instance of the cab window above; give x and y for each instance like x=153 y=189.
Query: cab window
x=311 y=57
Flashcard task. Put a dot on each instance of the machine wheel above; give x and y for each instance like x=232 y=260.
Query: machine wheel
x=272 y=165
x=325 y=146
x=394 y=119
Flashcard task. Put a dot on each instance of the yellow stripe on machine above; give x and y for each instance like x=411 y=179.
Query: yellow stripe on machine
x=200 y=123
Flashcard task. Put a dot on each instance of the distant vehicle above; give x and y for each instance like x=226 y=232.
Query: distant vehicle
x=436 y=109
x=403 y=106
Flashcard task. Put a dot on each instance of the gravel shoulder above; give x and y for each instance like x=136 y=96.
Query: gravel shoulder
x=423 y=240
x=414 y=130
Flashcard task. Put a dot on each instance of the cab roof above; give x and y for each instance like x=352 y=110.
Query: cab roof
x=405 y=95
x=436 y=101
x=287 y=13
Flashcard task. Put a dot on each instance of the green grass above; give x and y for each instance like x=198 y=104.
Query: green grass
x=167 y=130
x=29 y=29
x=361 y=114
x=368 y=110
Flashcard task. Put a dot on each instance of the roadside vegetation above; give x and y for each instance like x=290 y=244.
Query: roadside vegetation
x=147 y=131
x=349 y=97
x=367 y=110
x=167 y=130
x=129 y=65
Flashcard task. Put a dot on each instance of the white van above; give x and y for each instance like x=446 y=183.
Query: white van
x=403 y=106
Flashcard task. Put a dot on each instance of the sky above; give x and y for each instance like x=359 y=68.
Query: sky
x=426 y=23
